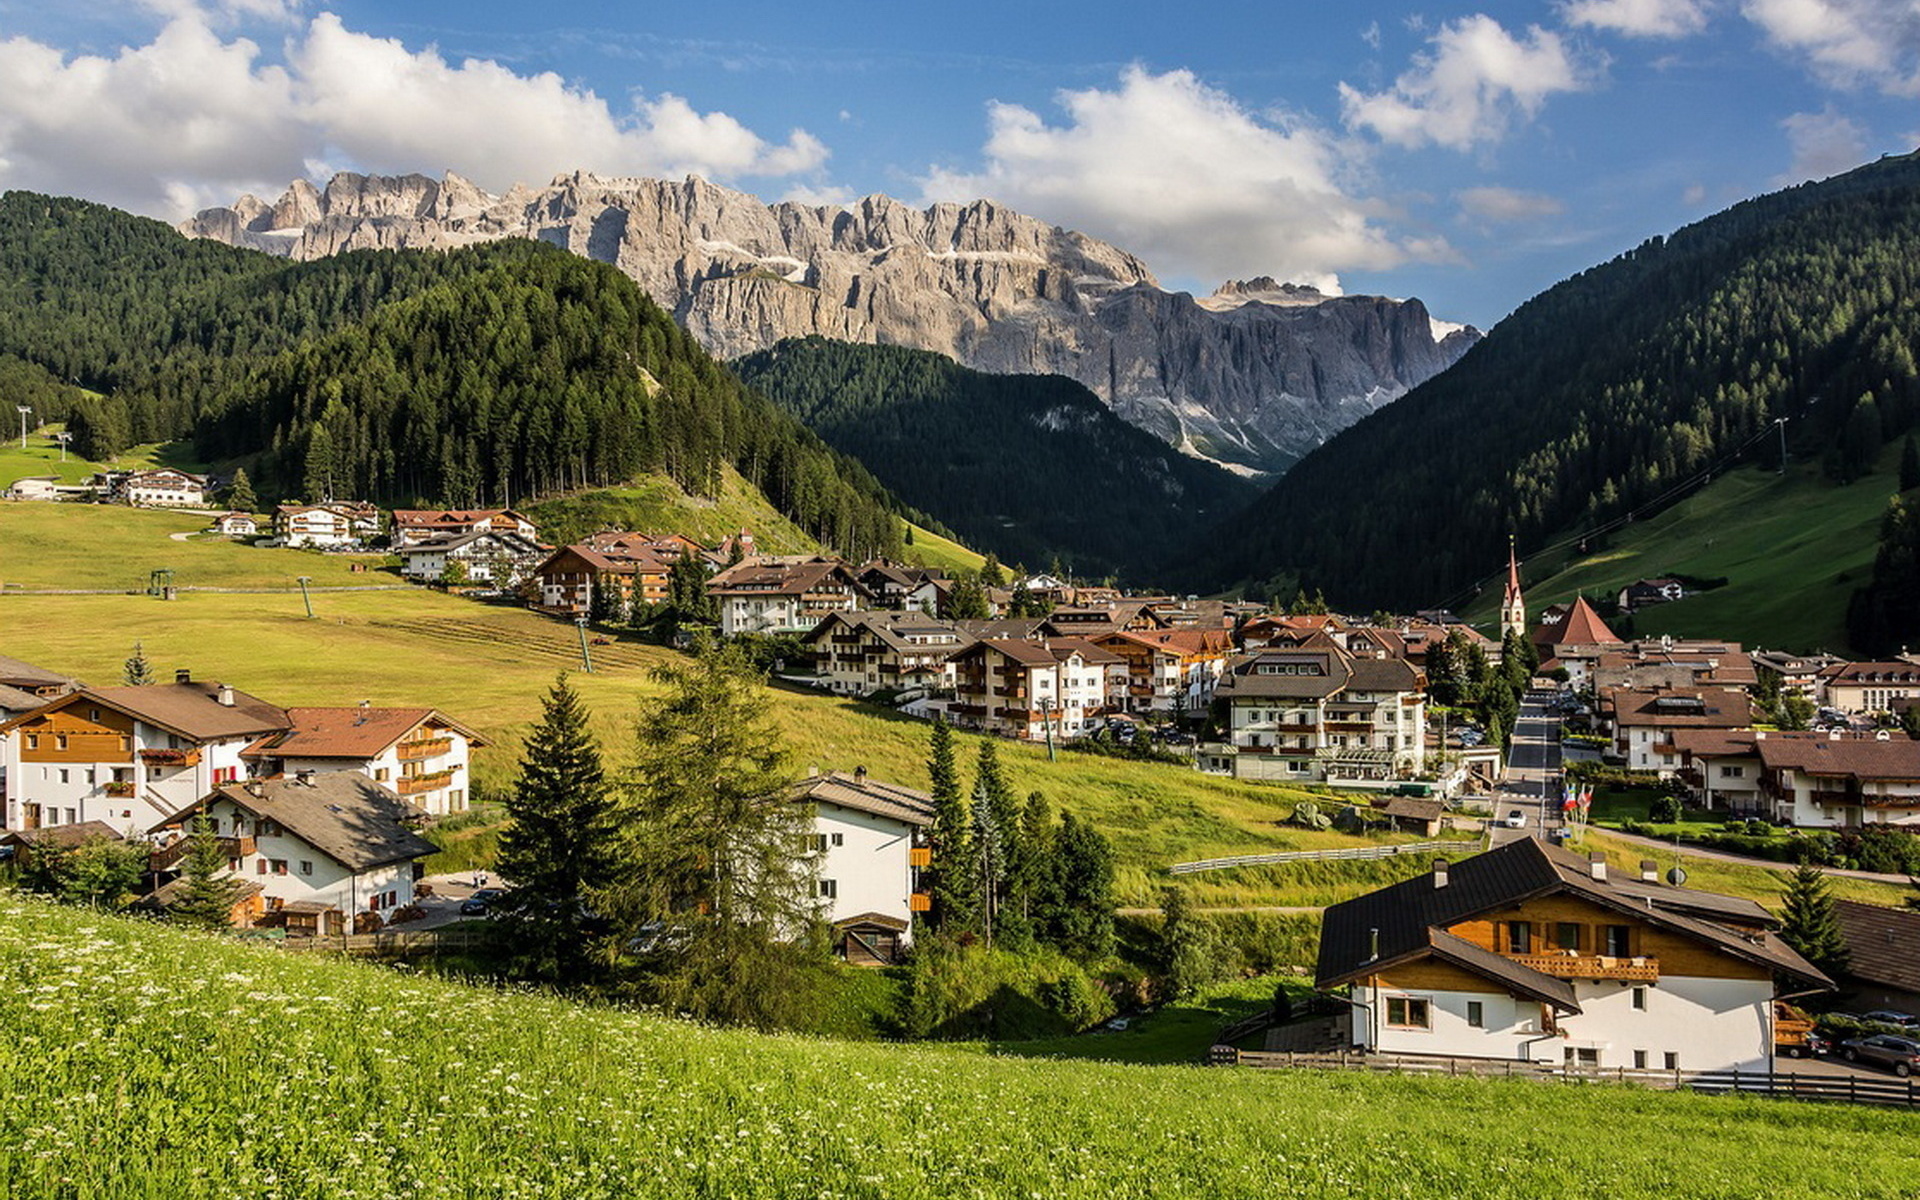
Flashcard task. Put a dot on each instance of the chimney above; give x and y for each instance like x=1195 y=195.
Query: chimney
x=1439 y=872
x=304 y=778
x=1597 y=866
x=183 y=676
x=1649 y=871
x=1373 y=944
x=860 y=774
x=256 y=787
x=225 y=695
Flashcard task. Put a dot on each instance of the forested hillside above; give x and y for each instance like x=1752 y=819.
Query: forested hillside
x=481 y=376
x=1032 y=467
x=1611 y=392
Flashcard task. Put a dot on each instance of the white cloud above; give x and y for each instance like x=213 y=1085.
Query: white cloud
x=1468 y=90
x=1823 y=143
x=1847 y=43
x=1639 y=18
x=283 y=12
x=1499 y=205
x=1694 y=195
x=1185 y=176
x=194 y=118
x=1371 y=35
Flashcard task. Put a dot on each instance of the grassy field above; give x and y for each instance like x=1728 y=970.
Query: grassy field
x=42 y=458
x=1734 y=878
x=164 y=1063
x=658 y=505
x=1793 y=550
x=931 y=550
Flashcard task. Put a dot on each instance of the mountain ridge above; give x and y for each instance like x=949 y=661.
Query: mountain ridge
x=991 y=288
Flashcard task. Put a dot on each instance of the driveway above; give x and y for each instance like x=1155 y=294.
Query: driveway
x=443 y=906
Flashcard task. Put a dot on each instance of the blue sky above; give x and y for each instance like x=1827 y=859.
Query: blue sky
x=1469 y=154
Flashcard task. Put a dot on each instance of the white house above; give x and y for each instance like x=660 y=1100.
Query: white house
x=860 y=652
x=319 y=846
x=412 y=525
x=773 y=594
x=1869 y=687
x=1644 y=722
x=335 y=523
x=236 y=524
x=1168 y=670
x=1029 y=689
x=36 y=487
x=1722 y=767
x=501 y=558
x=1317 y=712
x=164 y=487
x=1531 y=954
x=128 y=755
x=1837 y=779
x=869 y=839
x=422 y=754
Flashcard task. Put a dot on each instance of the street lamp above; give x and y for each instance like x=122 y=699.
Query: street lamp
x=24 y=410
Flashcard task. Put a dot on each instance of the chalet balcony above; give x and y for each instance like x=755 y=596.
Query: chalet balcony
x=413 y=785
x=169 y=857
x=1349 y=727
x=119 y=789
x=1592 y=966
x=171 y=758
x=1829 y=797
x=424 y=748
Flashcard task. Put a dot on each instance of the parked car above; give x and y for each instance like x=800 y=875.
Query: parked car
x=1517 y=819
x=1901 y=1054
x=478 y=904
x=1892 y=1016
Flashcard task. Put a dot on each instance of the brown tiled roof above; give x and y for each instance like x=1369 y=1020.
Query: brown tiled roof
x=1883 y=944
x=355 y=733
x=62 y=835
x=1861 y=758
x=1063 y=648
x=447 y=518
x=344 y=815
x=1676 y=708
x=1714 y=743
x=1583 y=627
x=1183 y=642
x=867 y=795
x=192 y=710
x=17 y=673
x=774 y=576
x=1025 y=652
x=1872 y=672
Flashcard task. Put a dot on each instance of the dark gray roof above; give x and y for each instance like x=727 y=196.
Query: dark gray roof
x=342 y=814
x=1883 y=944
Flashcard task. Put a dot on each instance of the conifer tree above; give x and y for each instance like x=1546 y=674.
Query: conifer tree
x=1909 y=465
x=1808 y=922
x=561 y=842
x=996 y=832
x=207 y=894
x=955 y=894
x=716 y=850
x=137 y=672
x=992 y=574
x=1081 y=922
x=240 y=495
x=967 y=601
x=1032 y=885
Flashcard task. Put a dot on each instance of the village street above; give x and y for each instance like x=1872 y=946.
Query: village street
x=1531 y=782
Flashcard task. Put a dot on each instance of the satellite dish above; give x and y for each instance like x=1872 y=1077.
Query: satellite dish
x=1676 y=876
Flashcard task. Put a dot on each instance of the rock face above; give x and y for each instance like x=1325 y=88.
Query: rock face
x=1253 y=376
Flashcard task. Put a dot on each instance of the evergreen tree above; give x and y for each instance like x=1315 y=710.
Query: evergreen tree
x=1909 y=465
x=1191 y=954
x=955 y=890
x=136 y=671
x=996 y=835
x=991 y=573
x=1081 y=922
x=1517 y=660
x=561 y=841
x=1035 y=884
x=688 y=600
x=715 y=852
x=1808 y=922
x=207 y=892
x=967 y=601
x=240 y=493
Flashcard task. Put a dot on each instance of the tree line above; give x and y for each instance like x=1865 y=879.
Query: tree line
x=483 y=376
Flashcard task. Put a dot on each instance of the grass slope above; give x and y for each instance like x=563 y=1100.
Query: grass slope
x=41 y=458
x=1793 y=550
x=929 y=549
x=656 y=504
x=166 y=1063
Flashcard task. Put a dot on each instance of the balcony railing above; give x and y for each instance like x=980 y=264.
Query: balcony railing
x=171 y=758
x=119 y=788
x=413 y=785
x=168 y=857
x=1592 y=966
x=424 y=748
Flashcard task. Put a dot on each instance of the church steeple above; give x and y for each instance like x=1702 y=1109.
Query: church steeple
x=1513 y=606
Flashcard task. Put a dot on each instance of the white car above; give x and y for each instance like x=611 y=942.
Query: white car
x=1517 y=819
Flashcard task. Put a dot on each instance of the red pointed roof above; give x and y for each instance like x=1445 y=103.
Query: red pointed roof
x=1513 y=573
x=1583 y=627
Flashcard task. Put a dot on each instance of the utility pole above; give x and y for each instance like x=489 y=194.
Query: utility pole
x=304 y=581
x=24 y=410
x=64 y=437
x=586 y=655
x=1780 y=423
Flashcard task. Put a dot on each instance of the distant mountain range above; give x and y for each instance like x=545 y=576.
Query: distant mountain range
x=1254 y=376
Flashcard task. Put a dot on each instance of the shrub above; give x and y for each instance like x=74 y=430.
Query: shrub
x=956 y=991
x=1664 y=810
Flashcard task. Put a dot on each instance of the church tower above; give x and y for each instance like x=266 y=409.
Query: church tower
x=1513 y=607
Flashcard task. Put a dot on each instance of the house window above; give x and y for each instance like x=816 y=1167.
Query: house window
x=93 y=714
x=380 y=774
x=63 y=775
x=839 y=839
x=1639 y=1060
x=1582 y=1056
x=259 y=866
x=1408 y=1012
x=1619 y=940
x=306 y=866
x=1519 y=937
x=279 y=866
x=33 y=741
x=1673 y=1060
x=1732 y=772
x=829 y=889
x=1640 y=998
x=1476 y=1014
x=1566 y=935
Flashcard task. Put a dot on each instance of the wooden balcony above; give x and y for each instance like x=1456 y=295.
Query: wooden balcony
x=119 y=788
x=413 y=785
x=169 y=857
x=1592 y=966
x=171 y=758
x=424 y=748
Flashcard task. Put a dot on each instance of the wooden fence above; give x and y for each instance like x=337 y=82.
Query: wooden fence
x=393 y=941
x=1852 y=1089
x=1350 y=852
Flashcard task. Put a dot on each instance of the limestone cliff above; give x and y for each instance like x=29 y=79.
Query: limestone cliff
x=1254 y=376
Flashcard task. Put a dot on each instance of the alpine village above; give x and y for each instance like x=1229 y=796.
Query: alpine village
x=624 y=688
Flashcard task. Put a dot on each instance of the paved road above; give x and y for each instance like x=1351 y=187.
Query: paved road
x=1532 y=779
